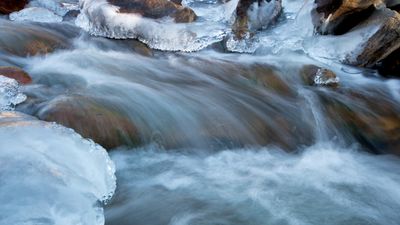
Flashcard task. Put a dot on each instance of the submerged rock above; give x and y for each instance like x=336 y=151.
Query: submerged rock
x=253 y=15
x=318 y=76
x=381 y=43
x=104 y=125
x=155 y=9
x=15 y=73
x=9 y=6
x=372 y=119
x=28 y=39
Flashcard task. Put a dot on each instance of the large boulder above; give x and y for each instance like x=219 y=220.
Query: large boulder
x=9 y=6
x=92 y=119
x=253 y=15
x=156 y=9
x=384 y=40
x=339 y=16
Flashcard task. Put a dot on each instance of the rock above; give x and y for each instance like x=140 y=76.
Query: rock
x=15 y=73
x=22 y=39
x=339 y=16
x=156 y=9
x=102 y=124
x=390 y=66
x=371 y=118
x=253 y=15
x=318 y=76
x=380 y=44
x=9 y=6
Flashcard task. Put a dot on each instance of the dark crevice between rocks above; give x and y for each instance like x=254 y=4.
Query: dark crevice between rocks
x=390 y=66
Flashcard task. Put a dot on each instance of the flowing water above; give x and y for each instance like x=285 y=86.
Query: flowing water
x=219 y=138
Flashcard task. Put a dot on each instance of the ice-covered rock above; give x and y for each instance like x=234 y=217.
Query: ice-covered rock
x=100 y=18
x=253 y=15
x=36 y=14
x=10 y=94
x=51 y=175
x=59 y=7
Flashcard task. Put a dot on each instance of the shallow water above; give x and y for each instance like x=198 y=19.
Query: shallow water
x=220 y=138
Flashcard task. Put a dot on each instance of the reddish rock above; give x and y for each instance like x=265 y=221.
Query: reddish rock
x=15 y=73
x=156 y=9
x=28 y=40
x=102 y=124
x=9 y=6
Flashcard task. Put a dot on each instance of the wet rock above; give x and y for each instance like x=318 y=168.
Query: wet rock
x=379 y=45
x=23 y=40
x=318 y=76
x=15 y=73
x=371 y=118
x=253 y=15
x=339 y=16
x=36 y=14
x=93 y=120
x=9 y=6
x=156 y=9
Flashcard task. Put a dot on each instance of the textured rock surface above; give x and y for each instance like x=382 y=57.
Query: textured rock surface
x=156 y=9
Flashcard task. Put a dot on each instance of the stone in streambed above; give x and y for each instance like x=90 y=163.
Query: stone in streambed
x=318 y=76
x=156 y=9
x=253 y=15
x=9 y=6
x=15 y=73
x=372 y=119
x=28 y=40
x=104 y=125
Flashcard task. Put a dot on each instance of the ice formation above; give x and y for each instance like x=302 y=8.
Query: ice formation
x=51 y=175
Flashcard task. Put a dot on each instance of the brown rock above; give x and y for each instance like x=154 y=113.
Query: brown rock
x=339 y=16
x=372 y=119
x=156 y=9
x=15 y=73
x=318 y=76
x=382 y=43
x=104 y=125
x=9 y=6
x=23 y=40
x=244 y=24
